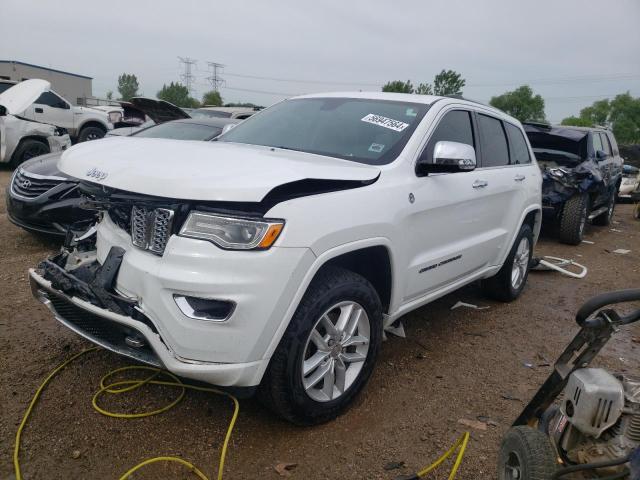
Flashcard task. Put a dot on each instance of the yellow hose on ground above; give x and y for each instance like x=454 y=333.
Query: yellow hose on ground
x=123 y=386
x=127 y=386
x=461 y=446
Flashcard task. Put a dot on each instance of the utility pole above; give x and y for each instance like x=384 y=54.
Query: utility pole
x=215 y=79
x=187 y=77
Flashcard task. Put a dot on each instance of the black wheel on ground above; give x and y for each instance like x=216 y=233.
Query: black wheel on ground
x=328 y=351
x=526 y=454
x=573 y=219
x=508 y=283
x=91 y=133
x=604 y=219
x=27 y=149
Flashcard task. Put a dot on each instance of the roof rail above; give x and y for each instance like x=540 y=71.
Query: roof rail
x=460 y=97
x=538 y=124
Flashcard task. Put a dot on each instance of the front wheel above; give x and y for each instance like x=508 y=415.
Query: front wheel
x=526 y=454
x=328 y=352
x=508 y=283
x=28 y=149
x=573 y=219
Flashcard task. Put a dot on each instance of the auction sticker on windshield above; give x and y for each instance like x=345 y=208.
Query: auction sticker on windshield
x=385 y=122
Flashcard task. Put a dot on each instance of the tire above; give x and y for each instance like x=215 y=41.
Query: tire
x=283 y=386
x=91 y=133
x=508 y=283
x=573 y=219
x=526 y=454
x=27 y=149
x=604 y=219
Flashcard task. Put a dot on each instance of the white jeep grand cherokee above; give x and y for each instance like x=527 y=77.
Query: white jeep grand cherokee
x=276 y=256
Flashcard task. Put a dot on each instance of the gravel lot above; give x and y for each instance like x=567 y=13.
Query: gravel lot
x=461 y=364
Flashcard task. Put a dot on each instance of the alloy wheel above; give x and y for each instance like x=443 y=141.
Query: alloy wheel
x=335 y=351
x=520 y=263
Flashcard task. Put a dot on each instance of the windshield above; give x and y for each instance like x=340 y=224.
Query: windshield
x=180 y=131
x=363 y=130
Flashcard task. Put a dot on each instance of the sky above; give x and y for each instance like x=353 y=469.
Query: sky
x=571 y=52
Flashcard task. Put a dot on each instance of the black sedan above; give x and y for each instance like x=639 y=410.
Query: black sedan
x=42 y=199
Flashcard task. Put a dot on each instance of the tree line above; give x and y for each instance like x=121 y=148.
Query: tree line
x=175 y=93
x=621 y=114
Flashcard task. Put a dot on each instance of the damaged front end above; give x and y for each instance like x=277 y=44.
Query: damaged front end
x=80 y=292
x=559 y=183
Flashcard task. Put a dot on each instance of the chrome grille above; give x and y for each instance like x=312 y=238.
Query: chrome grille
x=32 y=186
x=151 y=228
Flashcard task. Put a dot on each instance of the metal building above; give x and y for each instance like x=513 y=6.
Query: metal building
x=72 y=86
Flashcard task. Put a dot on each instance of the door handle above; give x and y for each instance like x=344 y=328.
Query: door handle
x=519 y=178
x=480 y=184
x=38 y=110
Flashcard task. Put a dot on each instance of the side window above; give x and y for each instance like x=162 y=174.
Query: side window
x=606 y=146
x=495 y=151
x=517 y=144
x=596 y=142
x=613 y=143
x=51 y=99
x=455 y=126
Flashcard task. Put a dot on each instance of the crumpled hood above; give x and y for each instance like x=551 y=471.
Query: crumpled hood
x=206 y=171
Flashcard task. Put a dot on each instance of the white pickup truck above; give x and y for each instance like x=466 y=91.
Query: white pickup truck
x=275 y=257
x=82 y=123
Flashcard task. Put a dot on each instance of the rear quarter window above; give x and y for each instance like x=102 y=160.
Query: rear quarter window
x=519 y=148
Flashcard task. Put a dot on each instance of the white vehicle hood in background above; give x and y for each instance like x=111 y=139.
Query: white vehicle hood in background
x=207 y=171
x=18 y=98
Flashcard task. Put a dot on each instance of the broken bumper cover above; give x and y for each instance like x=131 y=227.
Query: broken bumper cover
x=59 y=143
x=136 y=339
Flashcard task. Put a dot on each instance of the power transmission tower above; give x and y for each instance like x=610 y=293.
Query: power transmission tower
x=187 y=77
x=215 y=79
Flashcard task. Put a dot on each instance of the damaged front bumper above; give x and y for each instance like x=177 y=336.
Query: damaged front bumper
x=123 y=327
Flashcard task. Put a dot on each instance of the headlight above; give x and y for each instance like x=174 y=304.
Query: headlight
x=115 y=117
x=232 y=232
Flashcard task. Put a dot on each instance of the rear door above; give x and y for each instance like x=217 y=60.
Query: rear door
x=506 y=168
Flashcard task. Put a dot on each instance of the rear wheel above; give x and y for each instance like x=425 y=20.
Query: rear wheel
x=604 y=219
x=573 y=219
x=526 y=454
x=91 y=133
x=508 y=283
x=328 y=351
x=27 y=149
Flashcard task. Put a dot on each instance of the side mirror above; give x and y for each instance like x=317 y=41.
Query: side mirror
x=600 y=155
x=448 y=157
x=227 y=127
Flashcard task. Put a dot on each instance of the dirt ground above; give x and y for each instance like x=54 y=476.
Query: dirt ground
x=461 y=364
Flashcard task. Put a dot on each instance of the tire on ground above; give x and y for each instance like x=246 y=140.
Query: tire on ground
x=91 y=132
x=28 y=148
x=500 y=286
x=604 y=219
x=531 y=450
x=573 y=219
x=282 y=389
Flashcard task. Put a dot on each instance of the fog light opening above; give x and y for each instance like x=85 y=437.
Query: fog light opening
x=204 y=308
